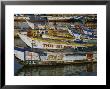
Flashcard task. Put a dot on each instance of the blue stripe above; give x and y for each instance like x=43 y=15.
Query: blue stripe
x=22 y=49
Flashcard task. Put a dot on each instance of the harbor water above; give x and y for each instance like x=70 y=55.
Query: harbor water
x=60 y=70
x=68 y=70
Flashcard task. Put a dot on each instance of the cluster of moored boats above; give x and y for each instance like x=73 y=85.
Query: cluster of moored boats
x=54 y=40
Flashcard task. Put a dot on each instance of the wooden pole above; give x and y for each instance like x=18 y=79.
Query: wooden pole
x=32 y=51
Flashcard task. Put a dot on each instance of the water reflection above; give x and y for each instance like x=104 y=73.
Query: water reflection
x=68 y=70
x=89 y=67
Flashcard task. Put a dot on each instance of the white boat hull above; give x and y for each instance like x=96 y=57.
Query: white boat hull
x=43 y=45
x=27 y=55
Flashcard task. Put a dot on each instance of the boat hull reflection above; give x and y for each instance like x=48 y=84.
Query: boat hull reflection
x=67 y=70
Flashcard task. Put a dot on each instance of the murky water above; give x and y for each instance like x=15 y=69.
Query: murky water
x=67 y=70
